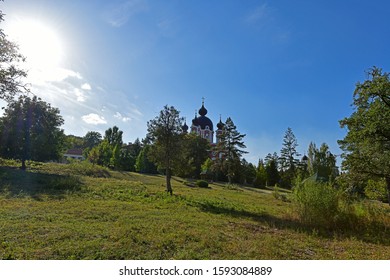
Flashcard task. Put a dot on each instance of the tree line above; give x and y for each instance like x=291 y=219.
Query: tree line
x=30 y=129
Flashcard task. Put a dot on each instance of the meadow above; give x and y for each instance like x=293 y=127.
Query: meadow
x=81 y=211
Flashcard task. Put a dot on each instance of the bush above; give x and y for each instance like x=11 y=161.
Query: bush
x=376 y=190
x=202 y=184
x=318 y=204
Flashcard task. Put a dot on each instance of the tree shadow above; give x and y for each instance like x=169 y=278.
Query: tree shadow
x=18 y=183
x=376 y=233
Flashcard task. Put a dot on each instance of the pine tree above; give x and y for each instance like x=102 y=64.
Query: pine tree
x=288 y=157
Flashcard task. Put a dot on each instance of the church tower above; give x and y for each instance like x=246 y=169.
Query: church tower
x=202 y=125
x=219 y=131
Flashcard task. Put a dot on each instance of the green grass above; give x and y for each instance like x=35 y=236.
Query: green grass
x=55 y=211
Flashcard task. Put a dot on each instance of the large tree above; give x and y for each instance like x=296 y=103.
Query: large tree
x=165 y=134
x=367 y=143
x=11 y=75
x=30 y=130
x=230 y=147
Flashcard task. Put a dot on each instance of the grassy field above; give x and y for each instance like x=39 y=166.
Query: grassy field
x=56 y=211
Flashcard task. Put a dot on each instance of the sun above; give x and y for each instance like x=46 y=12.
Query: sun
x=38 y=42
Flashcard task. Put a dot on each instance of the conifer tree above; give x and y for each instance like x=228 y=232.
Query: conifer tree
x=288 y=157
x=230 y=147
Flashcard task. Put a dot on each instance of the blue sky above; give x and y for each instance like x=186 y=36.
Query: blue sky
x=268 y=65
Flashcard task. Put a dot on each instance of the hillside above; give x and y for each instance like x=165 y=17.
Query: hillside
x=79 y=211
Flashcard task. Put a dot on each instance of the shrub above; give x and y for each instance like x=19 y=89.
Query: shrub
x=202 y=184
x=318 y=204
x=376 y=190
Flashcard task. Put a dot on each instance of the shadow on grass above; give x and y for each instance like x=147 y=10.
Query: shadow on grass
x=18 y=183
x=375 y=232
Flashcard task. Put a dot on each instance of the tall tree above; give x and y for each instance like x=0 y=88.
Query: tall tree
x=367 y=143
x=165 y=133
x=11 y=75
x=230 y=146
x=288 y=157
x=30 y=130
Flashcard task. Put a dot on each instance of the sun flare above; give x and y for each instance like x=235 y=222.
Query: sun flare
x=39 y=43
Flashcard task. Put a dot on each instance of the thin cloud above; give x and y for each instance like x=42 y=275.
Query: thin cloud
x=94 y=119
x=120 y=14
x=260 y=15
x=122 y=117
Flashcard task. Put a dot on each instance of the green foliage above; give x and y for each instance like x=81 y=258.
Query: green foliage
x=195 y=150
x=376 y=189
x=322 y=162
x=261 y=176
x=11 y=74
x=367 y=144
x=318 y=204
x=271 y=169
x=91 y=139
x=30 y=130
x=202 y=184
x=143 y=164
x=165 y=133
x=231 y=146
x=288 y=161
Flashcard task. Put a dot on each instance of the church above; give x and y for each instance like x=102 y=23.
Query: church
x=203 y=126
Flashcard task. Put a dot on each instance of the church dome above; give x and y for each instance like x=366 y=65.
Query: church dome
x=220 y=125
x=203 y=111
x=204 y=121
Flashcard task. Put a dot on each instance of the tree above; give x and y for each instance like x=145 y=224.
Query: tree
x=11 y=76
x=261 y=175
x=30 y=130
x=143 y=164
x=165 y=134
x=288 y=157
x=322 y=162
x=91 y=139
x=230 y=147
x=195 y=151
x=271 y=169
x=367 y=143
x=108 y=152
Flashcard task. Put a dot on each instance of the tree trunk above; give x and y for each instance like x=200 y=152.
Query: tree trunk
x=168 y=177
x=23 y=164
x=388 y=189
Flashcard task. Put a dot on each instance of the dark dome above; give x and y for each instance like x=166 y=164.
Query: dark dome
x=305 y=158
x=204 y=121
x=220 y=125
x=203 y=111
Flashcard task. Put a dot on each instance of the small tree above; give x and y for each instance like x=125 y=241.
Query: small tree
x=30 y=130
x=165 y=134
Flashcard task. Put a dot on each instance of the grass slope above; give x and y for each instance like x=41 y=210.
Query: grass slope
x=78 y=211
